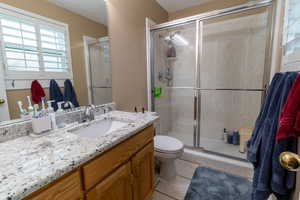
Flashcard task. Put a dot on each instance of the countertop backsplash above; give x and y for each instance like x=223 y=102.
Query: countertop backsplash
x=23 y=128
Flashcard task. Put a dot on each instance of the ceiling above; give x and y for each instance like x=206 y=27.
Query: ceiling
x=175 y=5
x=92 y=9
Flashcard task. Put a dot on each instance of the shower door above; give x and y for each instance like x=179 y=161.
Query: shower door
x=100 y=70
x=174 y=81
x=233 y=75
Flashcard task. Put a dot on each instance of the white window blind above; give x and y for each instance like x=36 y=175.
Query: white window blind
x=53 y=46
x=33 y=45
x=292 y=33
x=20 y=44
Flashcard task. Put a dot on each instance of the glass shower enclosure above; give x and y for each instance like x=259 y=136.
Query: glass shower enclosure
x=100 y=72
x=209 y=75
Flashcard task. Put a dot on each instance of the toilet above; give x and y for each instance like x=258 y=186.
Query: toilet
x=167 y=150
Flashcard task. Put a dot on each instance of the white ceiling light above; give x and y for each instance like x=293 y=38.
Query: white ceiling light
x=92 y=9
x=176 y=5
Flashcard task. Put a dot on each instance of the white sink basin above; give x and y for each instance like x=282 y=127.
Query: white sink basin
x=98 y=128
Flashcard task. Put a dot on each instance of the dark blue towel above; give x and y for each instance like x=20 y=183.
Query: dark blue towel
x=70 y=94
x=263 y=151
x=55 y=94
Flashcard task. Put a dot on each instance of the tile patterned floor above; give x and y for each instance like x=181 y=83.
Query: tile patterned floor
x=175 y=189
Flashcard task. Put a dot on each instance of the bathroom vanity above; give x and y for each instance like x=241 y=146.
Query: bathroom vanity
x=124 y=172
x=118 y=166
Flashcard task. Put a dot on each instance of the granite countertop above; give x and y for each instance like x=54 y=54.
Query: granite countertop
x=29 y=163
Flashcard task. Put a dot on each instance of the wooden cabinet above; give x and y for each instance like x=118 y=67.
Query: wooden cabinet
x=143 y=172
x=125 y=172
x=97 y=169
x=67 y=188
x=117 y=186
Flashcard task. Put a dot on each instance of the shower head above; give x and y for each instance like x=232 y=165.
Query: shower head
x=176 y=39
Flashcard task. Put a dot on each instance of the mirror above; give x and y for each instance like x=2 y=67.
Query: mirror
x=54 y=39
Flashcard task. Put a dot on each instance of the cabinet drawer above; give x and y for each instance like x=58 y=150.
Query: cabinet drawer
x=66 y=188
x=97 y=169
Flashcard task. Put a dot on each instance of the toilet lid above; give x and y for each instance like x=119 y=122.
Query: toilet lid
x=167 y=144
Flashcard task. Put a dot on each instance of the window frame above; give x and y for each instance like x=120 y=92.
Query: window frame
x=290 y=62
x=38 y=21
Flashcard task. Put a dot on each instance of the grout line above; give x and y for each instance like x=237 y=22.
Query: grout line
x=187 y=178
x=194 y=163
x=165 y=194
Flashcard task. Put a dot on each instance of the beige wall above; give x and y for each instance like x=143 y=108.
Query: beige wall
x=128 y=49
x=78 y=27
x=205 y=7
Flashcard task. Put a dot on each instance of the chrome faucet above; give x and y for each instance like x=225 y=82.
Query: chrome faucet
x=69 y=104
x=89 y=113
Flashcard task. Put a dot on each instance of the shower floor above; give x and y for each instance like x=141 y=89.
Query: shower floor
x=221 y=147
x=213 y=145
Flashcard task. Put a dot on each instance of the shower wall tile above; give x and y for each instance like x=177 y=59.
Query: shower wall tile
x=102 y=95
x=101 y=74
x=234 y=53
x=227 y=109
x=162 y=106
x=183 y=67
x=176 y=112
x=182 y=110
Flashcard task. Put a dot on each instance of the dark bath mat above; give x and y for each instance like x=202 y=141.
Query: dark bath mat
x=211 y=184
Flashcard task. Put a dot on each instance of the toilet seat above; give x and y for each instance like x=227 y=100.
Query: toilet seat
x=167 y=145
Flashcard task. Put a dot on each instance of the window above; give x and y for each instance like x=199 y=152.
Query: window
x=291 y=39
x=33 y=46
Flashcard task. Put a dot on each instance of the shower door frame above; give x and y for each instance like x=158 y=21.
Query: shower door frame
x=199 y=19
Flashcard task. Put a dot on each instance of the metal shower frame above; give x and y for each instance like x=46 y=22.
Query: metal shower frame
x=199 y=19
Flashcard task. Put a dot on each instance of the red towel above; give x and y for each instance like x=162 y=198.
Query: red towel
x=289 y=122
x=37 y=92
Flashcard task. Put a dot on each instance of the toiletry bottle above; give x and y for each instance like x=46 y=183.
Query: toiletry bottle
x=30 y=107
x=229 y=138
x=52 y=115
x=23 y=112
x=36 y=114
x=236 y=137
x=224 y=137
x=43 y=111
x=49 y=107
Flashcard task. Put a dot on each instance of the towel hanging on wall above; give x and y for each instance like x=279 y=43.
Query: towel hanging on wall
x=37 y=92
x=289 y=124
x=70 y=94
x=55 y=94
x=263 y=150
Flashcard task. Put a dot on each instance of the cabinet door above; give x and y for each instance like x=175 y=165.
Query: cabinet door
x=117 y=186
x=68 y=188
x=143 y=171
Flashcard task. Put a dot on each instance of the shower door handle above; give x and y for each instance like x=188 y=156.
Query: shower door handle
x=195 y=119
x=195 y=107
